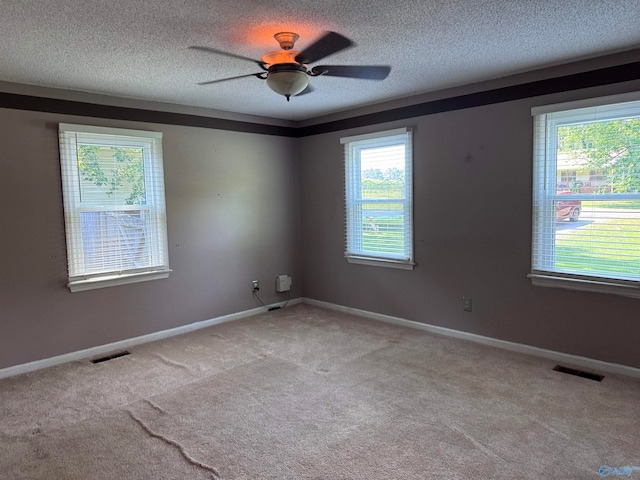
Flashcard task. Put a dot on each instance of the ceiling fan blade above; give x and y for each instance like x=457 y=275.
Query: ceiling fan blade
x=367 y=72
x=227 y=54
x=328 y=44
x=210 y=82
x=309 y=89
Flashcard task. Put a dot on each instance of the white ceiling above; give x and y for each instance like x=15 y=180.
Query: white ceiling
x=138 y=48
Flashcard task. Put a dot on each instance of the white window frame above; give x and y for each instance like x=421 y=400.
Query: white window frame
x=353 y=145
x=546 y=121
x=151 y=145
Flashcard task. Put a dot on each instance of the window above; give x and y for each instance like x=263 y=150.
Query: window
x=588 y=238
x=378 y=193
x=113 y=189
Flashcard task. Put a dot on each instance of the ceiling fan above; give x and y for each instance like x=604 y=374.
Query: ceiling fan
x=287 y=71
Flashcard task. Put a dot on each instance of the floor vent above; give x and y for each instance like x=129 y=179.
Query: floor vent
x=110 y=357
x=579 y=373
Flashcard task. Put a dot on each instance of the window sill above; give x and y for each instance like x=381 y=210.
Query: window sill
x=114 y=280
x=382 y=262
x=585 y=285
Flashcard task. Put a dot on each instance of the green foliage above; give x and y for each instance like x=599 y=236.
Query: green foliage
x=382 y=189
x=616 y=251
x=392 y=174
x=372 y=174
x=611 y=146
x=383 y=235
x=90 y=165
x=376 y=184
x=131 y=171
x=127 y=171
x=617 y=204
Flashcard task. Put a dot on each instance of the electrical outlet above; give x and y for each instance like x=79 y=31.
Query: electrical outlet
x=466 y=304
x=256 y=285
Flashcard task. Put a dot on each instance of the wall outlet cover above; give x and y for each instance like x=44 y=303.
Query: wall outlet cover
x=466 y=304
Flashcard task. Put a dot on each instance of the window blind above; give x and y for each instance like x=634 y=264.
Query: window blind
x=113 y=188
x=586 y=193
x=378 y=197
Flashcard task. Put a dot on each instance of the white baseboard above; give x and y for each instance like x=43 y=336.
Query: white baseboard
x=575 y=360
x=583 y=362
x=124 y=344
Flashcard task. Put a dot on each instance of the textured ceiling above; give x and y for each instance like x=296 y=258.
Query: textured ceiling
x=138 y=48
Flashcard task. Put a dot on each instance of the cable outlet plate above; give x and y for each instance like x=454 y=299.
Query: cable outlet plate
x=466 y=304
x=283 y=283
x=256 y=285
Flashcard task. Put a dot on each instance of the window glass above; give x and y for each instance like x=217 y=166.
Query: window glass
x=587 y=194
x=379 y=198
x=115 y=217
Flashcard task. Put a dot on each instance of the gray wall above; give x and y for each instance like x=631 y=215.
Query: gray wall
x=472 y=193
x=233 y=216
x=243 y=206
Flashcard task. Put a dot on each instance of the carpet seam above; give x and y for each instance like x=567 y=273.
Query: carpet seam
x=187 y=383
x=155 y=406
x=171 y=362
x=483 y=448
x=175 y=444
x=548 y=427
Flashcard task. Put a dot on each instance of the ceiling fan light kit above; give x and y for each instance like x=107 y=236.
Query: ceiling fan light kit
x=286 y=71
x=285 y=80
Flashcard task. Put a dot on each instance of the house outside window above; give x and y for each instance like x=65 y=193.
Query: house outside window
x=588 y=238
x=596 y=176
x=114 y=204
x=567 y=176
x=567 y=179
x=379 y=199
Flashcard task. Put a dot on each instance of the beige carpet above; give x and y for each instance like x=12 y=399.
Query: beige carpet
x=304 y=393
